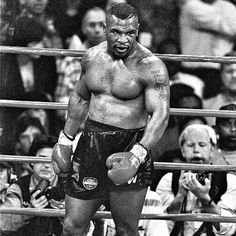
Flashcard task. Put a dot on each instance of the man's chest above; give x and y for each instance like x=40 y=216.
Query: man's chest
x=115 y=78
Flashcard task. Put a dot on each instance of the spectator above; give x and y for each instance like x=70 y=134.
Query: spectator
x=11 y=86
x=26 y=193
x=46 y=116
x=26 y=128
x=207 y=27
x=175 y=155
x=34 y=27
x=228 y=90
x=69 y=68
x=226 y=130
x=6 y=177
x=186 y=192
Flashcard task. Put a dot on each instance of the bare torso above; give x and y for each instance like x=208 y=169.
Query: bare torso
x=117 y=87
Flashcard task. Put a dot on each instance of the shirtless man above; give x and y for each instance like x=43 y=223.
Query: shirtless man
x=123 y=92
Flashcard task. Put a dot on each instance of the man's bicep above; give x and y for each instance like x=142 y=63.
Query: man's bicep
x=158 y=91
x=81 y=88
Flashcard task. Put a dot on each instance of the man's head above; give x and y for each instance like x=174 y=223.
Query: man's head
x=226 y=129
x=121 y=29
x=93 y=26
x=36 y=7
x=26 y=128
x=228 y=74
x=42 y=146
x=197 y=142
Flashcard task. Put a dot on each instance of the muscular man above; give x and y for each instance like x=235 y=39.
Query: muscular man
x=124 y=94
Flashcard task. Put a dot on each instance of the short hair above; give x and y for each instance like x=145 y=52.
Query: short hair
x=95 y=8
x=229 y=54
x=210 y=131
x=122 y=11
x=28 y=30
x=187 y=119
x=228 y=107
x=42 y=141
x=25 y=120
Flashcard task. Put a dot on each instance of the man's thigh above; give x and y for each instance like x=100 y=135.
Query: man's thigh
x=126 y=206
x=79 y=212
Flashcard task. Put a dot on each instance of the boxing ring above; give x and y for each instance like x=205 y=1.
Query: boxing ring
x=157 y=165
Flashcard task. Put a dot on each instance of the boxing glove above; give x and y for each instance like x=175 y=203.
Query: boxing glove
x=124 y=165
x=61 y=155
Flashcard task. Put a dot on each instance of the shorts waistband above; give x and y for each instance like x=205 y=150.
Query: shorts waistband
x=92 y=125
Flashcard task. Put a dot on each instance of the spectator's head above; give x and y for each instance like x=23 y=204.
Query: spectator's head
x=93 y=26
x=190 y=120
x=5 y=175
x=36 y=7
x=226 y=129
x=190 y=101
x=121 y=29
x=29 y=32
x=177 y=91
x=228 y=75
x=42 y=114
x=42 y=146
x=26 y=128
x=197 y=143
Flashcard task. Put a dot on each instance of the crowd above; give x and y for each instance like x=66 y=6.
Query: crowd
x=189 y=27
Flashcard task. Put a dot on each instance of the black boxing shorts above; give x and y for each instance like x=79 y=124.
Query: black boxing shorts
x=87 y=178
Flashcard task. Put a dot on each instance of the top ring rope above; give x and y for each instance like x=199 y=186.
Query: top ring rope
x=77 y=53
x=173 y=111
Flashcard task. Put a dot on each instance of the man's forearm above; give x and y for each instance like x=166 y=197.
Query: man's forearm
x=154 y=129
x=77 y=113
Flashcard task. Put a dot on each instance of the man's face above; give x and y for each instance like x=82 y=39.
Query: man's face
x=3 y=178
x=121 y=36
x=26 y=138
x=227 y=134
x=228 y=76
x=43 y=170
x=36 y=7
x=93 y=27
x=197 y=148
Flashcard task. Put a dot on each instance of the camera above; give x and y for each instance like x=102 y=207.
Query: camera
x=57 y=193
x=201 y=176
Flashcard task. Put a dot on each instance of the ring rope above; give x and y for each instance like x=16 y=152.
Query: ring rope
x=107 y=215
x=78 y=53
x=173 y=111
x=157 y=165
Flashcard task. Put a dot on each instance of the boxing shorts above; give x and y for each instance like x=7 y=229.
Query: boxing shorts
x=87 y=178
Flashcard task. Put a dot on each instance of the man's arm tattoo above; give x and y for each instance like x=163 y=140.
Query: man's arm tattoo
x=161 y=84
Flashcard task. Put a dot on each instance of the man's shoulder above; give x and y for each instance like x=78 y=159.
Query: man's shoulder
x=95 y=51
x=148 y=60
